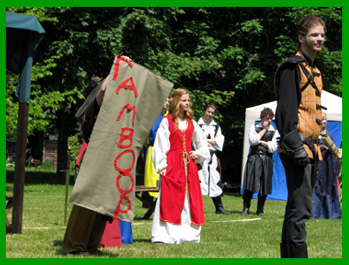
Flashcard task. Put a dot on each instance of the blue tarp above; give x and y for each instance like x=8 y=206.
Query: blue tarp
x=23 y=34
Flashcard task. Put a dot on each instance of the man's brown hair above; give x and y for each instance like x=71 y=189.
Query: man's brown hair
x=306 y=23
x=267 y=112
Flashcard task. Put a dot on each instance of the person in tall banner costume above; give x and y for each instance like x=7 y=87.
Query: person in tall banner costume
x=259 y=166
x=121 y=121
x=298 y=84
x=209 y=170
x=179 y=211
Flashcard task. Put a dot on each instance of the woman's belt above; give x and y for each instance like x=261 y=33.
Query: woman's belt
x=186 y=158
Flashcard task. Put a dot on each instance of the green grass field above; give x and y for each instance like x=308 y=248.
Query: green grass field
x=222 y=236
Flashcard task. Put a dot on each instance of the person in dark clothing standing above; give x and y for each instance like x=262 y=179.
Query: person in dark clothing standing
x=85 y=227
x=325 y=194
x=298 y=84
x=259 y=166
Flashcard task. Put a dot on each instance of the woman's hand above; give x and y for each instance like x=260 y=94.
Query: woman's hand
x=193 y=155
x=163 y=172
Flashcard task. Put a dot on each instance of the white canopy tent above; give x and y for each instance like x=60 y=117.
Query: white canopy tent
x=332 y=102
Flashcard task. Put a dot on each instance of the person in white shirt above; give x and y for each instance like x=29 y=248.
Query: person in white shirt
x=259 y=166
x=209 y=170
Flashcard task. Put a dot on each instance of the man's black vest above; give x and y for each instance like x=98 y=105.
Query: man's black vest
x=260 y=149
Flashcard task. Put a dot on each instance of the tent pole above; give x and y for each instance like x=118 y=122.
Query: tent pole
x=18 y=183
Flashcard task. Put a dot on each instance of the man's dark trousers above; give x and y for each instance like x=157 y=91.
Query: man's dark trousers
x=298 y=208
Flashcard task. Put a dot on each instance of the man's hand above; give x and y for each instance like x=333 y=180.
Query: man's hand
x=301 y=157
x=126 y=58
x=101 y=92
x=210 y=142
x=266 y=124
x=292 y=143
x=264 y=143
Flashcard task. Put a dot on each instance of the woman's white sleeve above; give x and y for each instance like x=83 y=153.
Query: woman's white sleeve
x=199 y=139
x=161 y=146
x=253 y=137
x=272 y=145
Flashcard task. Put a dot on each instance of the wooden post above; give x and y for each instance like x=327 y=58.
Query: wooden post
x=67 y=181
x=18 y=183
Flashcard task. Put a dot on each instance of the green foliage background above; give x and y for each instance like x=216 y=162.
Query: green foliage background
x=224 y=55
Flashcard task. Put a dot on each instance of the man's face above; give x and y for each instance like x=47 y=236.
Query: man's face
x=266 y=121
x=208 y=115
x=314 y=40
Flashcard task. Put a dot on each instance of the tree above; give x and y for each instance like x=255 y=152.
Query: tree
x=225 y=55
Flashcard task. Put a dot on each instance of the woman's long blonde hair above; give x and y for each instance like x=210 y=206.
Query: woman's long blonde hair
x=175 y=106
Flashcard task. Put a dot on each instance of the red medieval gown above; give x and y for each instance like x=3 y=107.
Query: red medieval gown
x=179 y=211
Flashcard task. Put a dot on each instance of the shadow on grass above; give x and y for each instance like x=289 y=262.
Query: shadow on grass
x=33 y=176
x=103 y=252
x=142 y=240
x=39 y=177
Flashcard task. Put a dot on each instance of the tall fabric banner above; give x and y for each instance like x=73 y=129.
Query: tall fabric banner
x=132 y=102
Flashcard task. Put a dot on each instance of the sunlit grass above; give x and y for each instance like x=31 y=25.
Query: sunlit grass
x=222 y=236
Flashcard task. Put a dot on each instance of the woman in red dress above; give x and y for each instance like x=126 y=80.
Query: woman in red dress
x=179 y=211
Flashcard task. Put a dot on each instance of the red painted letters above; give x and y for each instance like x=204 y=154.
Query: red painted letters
x=117 y=65
x=128 y=106
x=125 y=137
x=125 y=85
x=122 y=143
x=123 y=170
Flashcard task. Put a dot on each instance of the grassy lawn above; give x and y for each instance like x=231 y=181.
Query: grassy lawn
x=222 y=236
